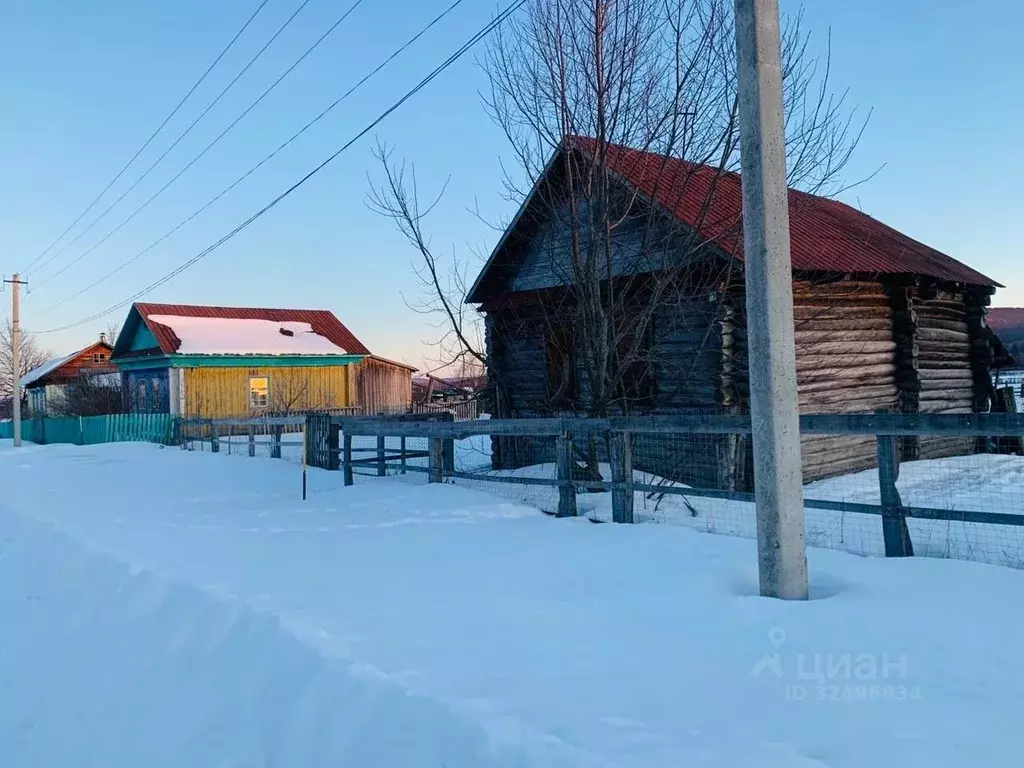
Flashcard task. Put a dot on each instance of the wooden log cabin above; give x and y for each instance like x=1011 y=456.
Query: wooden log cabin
x=221 y=362
x=882 y=322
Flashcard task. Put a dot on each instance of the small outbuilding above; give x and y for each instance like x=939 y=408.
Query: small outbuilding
x=882 y=321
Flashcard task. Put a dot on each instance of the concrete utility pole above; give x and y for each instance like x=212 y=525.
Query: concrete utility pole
x=774 y=407
x=16 y=356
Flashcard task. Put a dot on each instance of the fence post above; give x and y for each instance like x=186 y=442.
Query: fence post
x=81 y=432
x=231 y=436
x=382 y=467
x=894 y=521
x=347 y=462
x=436 y=460
x=401 y=448
x=214 y=437
x=622 y=478
x=333 y=444
x=564 y=465
x=252 y=440
x=448 y=456
x=275 y=441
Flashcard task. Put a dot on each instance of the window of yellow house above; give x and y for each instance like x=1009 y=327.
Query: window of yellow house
x=258 y=391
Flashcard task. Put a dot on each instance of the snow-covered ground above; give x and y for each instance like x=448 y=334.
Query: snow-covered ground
x=168 y=608
x=979 y=483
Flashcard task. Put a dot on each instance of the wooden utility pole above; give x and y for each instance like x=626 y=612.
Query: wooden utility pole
x=16 y=284
x=774 y=407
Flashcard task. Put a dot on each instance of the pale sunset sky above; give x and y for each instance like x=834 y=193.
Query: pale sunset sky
x=84 y=84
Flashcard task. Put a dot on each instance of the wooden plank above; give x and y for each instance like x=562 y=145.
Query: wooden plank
x=242 y=422
x=382 y=467
x=347 y=460
x=622 y=474
x=894 y=522
x=564 y=465
x=436 y=460
x=252 y=441
x=920 y=424
x=448 y=456
x=333 y=445
x=275 y=441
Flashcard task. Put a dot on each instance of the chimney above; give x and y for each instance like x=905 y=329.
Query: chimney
x=103 y=338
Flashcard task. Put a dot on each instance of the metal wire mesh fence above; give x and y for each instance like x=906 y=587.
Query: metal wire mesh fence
x=875 y=484
x=964 y=500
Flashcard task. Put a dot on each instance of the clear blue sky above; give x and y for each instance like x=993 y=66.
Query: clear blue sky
x=84 y=83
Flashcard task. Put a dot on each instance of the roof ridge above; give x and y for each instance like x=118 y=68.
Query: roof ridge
x=846 y=250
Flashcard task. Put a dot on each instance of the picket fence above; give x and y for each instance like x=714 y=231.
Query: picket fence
x=93 y=430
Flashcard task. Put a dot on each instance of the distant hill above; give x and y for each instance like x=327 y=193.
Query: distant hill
x=1008 y=323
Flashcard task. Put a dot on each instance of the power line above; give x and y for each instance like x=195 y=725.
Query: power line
x=185 y=133
x=153 y=135
x=206 y=149
x=479 y=35
x=262 y=162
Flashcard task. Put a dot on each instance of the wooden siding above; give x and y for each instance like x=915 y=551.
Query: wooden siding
x=544 y=261
x=80 y=364
x=224 y=392
x=383 y=387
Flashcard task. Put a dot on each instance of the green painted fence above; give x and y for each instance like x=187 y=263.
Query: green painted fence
x=92 y=430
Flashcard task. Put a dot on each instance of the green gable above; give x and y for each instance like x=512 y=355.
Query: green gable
x=135 y=336
x=237 y=361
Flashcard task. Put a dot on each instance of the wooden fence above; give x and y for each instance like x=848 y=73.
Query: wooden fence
x=886 y=428
x=463 y=410
x=93 y=430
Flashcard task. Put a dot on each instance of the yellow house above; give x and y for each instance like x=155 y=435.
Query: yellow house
x=217 y=362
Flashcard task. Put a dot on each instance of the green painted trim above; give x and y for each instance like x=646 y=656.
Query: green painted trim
x=141 y=363
x=237 y=361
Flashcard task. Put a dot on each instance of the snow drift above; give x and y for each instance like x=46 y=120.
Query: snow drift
x=103 y=664
x=201 y=614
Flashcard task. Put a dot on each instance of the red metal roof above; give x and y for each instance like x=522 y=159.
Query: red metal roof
x=825 y=235
x=323 y=322
x=1005 y=318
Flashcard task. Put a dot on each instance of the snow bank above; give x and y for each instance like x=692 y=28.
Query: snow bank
x=224 y=622
x=982 y=482
x=103 y=664
x=238 y=336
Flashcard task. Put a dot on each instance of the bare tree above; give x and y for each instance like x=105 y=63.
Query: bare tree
x=591 y=78
x=90 y=395
x=112 y=332
x=32 y=356
x=298 y=393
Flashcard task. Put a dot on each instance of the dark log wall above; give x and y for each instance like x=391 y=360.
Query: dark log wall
x=517 y=371
x=846 y=363
x=686 y=358
x=862 y=346
x=693 y=334
x=943 y=364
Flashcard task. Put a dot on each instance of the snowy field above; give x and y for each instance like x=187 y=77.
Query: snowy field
x=198 y=613
x=979 y=483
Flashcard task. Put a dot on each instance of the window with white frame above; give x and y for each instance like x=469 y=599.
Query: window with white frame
x=258 y=392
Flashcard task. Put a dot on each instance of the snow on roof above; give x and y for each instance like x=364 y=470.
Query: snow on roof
x=46 y=368
x=245 y=336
